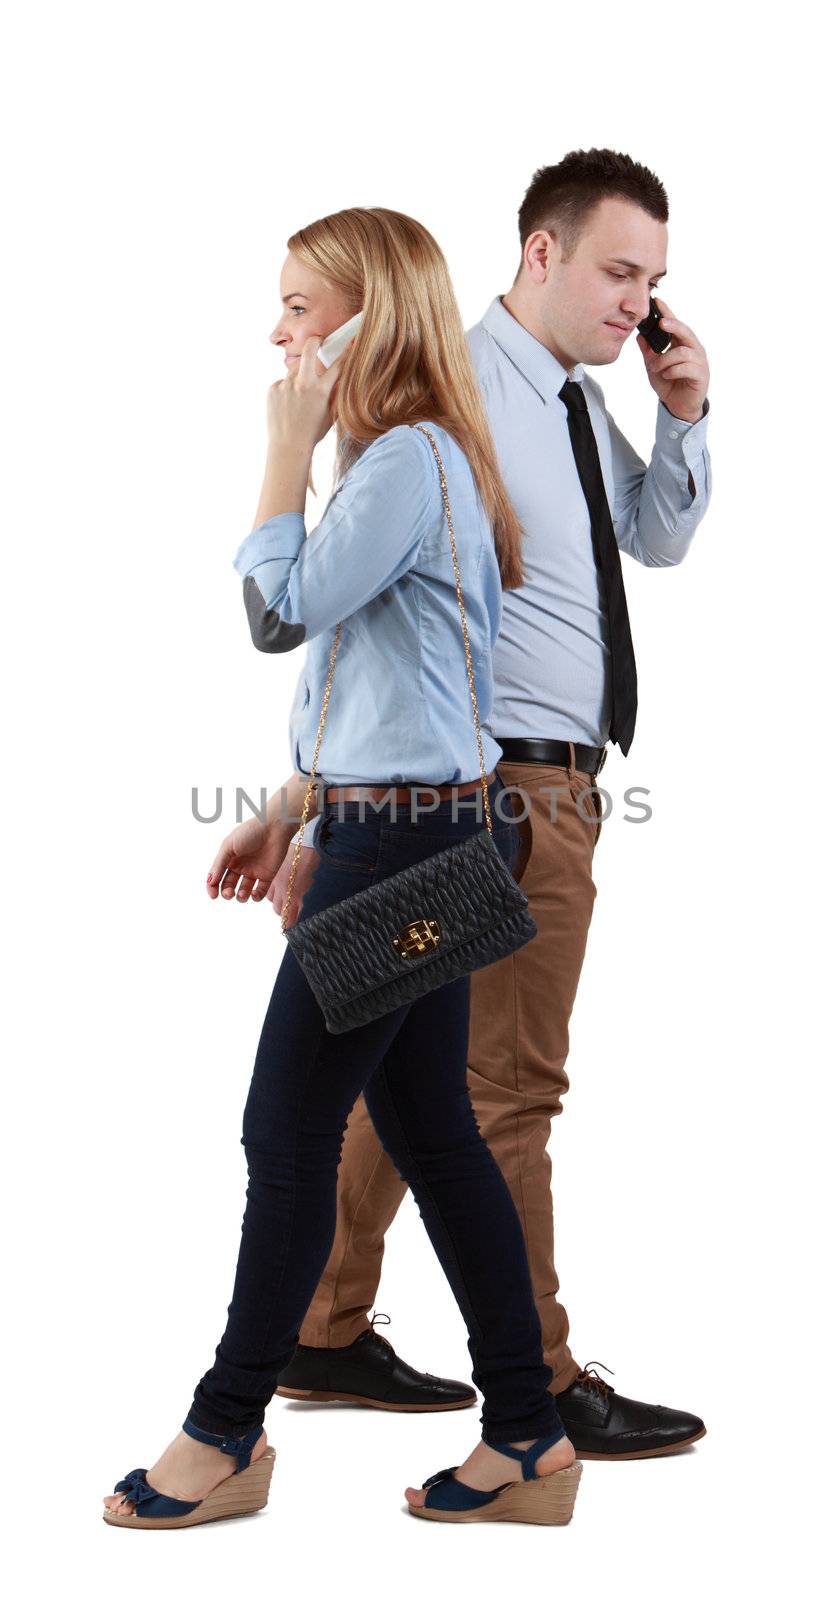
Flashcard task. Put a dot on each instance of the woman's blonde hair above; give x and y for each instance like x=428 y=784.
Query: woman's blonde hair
x=410 y=360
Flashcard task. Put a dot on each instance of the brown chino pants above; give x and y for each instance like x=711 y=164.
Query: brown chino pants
x=519 y=1012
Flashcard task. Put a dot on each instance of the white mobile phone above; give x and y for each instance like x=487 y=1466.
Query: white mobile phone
x=338 y=341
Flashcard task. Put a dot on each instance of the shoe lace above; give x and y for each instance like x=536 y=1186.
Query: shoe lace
x=592 y=1380
x=382 y=1317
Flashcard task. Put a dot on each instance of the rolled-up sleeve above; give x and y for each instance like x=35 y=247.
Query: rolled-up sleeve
x=296 y=587
x=658 y=508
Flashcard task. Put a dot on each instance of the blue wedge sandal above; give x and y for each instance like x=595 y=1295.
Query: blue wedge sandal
x=246 y=1490
x=548 y=1500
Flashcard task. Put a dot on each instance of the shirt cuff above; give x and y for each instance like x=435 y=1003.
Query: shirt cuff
x=310 y=831
x=680 y=443
x=279 y=537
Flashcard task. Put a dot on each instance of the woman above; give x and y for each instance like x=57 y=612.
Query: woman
x=399 y=714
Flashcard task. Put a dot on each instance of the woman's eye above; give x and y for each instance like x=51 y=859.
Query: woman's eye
x=298 y=308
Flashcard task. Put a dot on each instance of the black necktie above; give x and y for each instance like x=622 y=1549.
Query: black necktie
x=607 y=556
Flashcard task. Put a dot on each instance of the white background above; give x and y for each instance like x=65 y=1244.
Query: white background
x=157 y=158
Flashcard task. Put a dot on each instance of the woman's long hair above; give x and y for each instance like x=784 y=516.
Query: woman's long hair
x=410 y=359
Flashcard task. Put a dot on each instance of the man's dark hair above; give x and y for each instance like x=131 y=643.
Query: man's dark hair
x=562 y=198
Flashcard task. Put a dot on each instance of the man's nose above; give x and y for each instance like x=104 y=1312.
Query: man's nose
x=635 y=304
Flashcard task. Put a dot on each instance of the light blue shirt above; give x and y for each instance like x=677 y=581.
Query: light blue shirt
x=380 y=562
x=551 y=663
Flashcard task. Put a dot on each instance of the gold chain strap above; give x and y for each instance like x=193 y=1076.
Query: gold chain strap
x=488 y=816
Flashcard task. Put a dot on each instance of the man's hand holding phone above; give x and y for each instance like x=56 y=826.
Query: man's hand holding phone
x=680 y=375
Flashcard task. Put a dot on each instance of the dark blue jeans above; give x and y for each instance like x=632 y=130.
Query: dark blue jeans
x=412 y=1067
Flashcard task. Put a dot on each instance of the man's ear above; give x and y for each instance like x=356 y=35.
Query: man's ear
x=538 y=254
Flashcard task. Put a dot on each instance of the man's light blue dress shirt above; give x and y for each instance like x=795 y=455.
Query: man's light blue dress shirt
x=380 y=562
x=551 y=664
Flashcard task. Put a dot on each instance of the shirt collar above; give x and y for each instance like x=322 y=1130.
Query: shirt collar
x=535 y=363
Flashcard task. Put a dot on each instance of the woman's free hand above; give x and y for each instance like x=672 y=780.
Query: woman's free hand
x=277 y=892
x=248 y=860
x=299 y=406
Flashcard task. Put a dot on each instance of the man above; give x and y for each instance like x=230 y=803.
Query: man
x=594 y=240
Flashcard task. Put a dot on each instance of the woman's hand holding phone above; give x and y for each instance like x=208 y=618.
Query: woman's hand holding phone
x=298 y=406
x=298 y=416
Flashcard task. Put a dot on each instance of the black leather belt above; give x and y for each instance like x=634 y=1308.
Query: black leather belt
x=553 y=753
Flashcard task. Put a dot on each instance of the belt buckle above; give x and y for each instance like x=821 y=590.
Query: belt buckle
x=602 y=762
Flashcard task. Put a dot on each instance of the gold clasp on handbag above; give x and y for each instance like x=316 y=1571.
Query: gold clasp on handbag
x=417 y=937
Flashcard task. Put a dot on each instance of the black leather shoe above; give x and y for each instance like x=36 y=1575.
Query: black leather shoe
x=604 y=1426
x=369 y=1372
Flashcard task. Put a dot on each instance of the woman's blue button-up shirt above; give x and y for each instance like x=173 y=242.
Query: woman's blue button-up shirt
x=380 y=562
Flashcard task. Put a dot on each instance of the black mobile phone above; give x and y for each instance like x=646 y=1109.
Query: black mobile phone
x=656 y=338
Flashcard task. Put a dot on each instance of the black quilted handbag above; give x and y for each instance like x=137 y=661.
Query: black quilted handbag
x=458 y=910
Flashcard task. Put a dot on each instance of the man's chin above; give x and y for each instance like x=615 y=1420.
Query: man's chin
x=601 y=358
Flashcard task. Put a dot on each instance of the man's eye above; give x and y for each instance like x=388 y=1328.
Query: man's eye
x=621 y=276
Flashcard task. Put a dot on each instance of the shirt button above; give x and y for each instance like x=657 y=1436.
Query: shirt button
x=672 y=434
